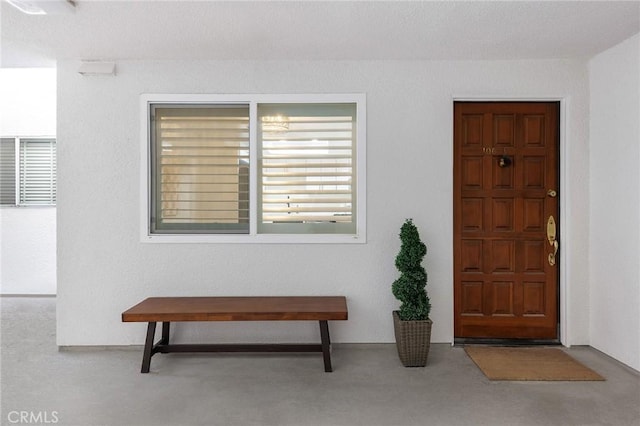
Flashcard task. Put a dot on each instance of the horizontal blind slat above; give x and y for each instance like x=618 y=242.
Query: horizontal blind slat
x=300 y=200
x=309 y=218
x=288 y=191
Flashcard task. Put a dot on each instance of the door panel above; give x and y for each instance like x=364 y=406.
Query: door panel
x=505 y=165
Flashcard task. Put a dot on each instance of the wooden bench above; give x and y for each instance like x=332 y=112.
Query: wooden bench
x=172 y=309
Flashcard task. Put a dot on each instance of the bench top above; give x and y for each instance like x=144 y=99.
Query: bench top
x=293 y=308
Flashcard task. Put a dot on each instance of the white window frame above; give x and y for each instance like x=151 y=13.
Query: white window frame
x=17 y=140
x=147 y=100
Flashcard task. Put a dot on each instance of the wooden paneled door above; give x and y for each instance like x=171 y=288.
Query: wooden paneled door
x=506 y=206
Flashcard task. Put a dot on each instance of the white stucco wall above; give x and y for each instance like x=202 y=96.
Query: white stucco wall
x=103 y=268
x=615 y=202
x=27 y=234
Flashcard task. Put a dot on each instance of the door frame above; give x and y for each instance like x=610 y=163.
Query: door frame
x=564 y=303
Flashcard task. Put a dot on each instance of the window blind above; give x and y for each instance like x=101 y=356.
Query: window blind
x=37 y=171
x=307 y=170
x=201 y=170
x=8 y=171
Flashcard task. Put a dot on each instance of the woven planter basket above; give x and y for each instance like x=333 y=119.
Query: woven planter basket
x=413 y=339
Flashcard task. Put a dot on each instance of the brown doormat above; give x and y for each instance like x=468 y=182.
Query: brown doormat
x=506 y=363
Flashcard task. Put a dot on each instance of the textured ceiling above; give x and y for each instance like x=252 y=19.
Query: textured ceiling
x=310 y=30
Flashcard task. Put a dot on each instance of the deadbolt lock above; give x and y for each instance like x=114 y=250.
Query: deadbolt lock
x=552 y=193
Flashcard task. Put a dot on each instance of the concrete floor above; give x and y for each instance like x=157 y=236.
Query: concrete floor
x=369 y=386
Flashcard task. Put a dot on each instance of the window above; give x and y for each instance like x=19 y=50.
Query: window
x=264 y=168
x=306 y=171
x=200 y=169
x=7 y=171
x=30 y=177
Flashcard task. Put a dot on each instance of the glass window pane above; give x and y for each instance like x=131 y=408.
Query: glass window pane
x=200 y=169
x=307 y=170
x=8 y=171
x=37 y=171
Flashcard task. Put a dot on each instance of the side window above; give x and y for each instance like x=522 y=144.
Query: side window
x=37 y=172
x=8 y=171
x=30 y=177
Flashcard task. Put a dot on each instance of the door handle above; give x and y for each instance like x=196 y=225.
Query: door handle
x=551 y=237
x=552 y=256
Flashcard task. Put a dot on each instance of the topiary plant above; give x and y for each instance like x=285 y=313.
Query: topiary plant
x=410 y=288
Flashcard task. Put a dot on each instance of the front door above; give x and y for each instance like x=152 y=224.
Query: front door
x=506 y=207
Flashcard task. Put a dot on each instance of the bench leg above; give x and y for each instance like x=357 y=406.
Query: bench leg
x=148 y=347
x=326 y=345
x=165 y=333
